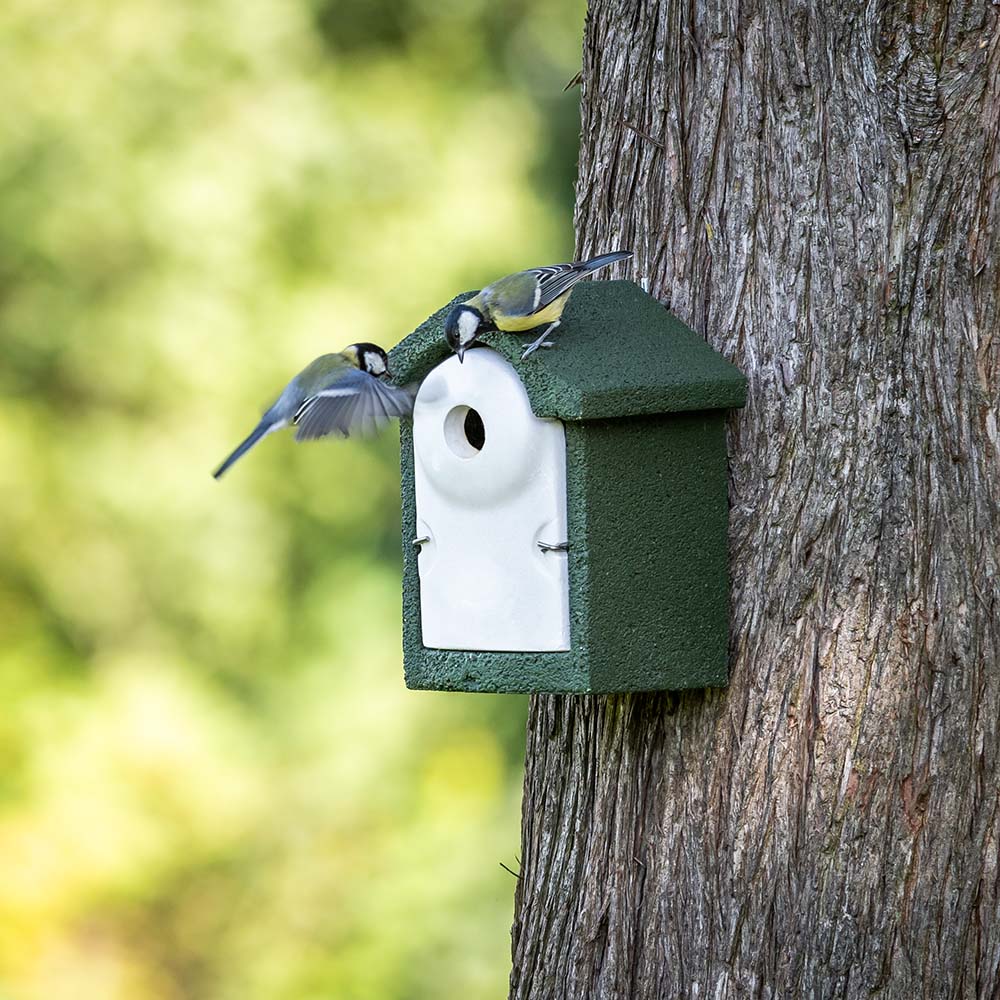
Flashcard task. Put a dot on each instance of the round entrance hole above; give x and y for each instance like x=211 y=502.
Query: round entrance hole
x=464 y=431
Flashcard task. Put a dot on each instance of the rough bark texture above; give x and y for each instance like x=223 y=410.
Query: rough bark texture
x=816 y=188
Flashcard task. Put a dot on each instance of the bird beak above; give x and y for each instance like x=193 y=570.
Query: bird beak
x=460 y=351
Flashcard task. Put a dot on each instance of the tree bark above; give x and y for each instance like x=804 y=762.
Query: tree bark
x=816 y=188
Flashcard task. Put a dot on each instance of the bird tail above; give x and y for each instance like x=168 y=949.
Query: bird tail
x=261 y=430
x=596 y=263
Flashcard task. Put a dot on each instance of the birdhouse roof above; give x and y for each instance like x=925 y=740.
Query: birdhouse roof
x=618 y=353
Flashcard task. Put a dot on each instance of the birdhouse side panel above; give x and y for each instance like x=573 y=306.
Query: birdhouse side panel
x=411 y=574
x=657 y=547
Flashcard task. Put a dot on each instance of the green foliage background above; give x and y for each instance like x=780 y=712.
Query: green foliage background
x=213 y=783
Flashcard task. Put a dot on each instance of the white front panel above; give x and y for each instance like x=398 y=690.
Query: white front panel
x=484 y=582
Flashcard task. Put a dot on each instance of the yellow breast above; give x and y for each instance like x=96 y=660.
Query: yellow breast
x=515 y=324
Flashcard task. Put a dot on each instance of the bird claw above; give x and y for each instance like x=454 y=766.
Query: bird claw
x=531 y=348
x=541 y=341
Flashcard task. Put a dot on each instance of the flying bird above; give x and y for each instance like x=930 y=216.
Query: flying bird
x=520 y=302
x=346 y=393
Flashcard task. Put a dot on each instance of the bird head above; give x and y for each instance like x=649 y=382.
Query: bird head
x=369 y=358
x=461 y=328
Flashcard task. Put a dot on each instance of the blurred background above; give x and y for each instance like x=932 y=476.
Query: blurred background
x=213 y=783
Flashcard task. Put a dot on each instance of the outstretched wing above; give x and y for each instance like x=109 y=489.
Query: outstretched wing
x=545 y=284
x=356 y=403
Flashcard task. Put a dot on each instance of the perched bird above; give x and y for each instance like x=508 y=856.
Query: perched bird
x=338 y=393
x=520 y=302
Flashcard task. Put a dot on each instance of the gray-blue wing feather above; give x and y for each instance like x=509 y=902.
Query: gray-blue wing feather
x=356 y=403
x=548 y=283
x=559 y=278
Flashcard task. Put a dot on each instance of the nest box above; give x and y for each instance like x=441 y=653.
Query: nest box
x=565 y=517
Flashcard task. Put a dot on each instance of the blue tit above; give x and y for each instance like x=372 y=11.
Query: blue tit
x=520 y=302
x=341 y=393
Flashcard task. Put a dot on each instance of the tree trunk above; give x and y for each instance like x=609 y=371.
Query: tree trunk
x=816 y=188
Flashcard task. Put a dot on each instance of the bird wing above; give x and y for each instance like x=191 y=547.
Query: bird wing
x=554 y=280
x=356 y=403
x=532 y=290
x=515 y=295
x=528 y=292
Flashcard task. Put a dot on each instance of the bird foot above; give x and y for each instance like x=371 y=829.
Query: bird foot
x=532 y=347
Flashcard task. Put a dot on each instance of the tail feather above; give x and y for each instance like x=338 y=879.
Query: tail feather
x=595 y=263
x=261 y=430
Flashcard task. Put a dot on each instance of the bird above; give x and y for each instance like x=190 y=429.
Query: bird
x=521 y=301
x=341 y=393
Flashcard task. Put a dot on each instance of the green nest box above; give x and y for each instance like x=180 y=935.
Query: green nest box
x=565 y=516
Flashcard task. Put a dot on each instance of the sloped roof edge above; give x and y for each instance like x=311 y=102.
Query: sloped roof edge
x=618 y=353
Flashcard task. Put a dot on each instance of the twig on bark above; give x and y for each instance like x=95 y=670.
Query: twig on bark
x=643 y=135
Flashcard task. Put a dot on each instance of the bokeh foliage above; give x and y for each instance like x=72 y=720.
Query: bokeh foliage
x=213 y=783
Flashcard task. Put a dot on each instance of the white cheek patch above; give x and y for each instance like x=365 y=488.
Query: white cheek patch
x=468 y=326
x=374 y=363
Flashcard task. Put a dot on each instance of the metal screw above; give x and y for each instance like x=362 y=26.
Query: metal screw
x=559 y=547
x=417 y=542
